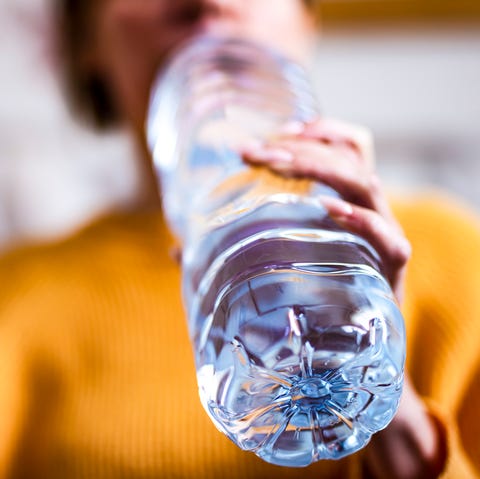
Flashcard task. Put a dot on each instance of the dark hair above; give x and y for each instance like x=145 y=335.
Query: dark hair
x=89 y=93
x=87 y=90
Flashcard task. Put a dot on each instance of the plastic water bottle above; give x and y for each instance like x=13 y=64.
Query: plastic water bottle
x=299 y=343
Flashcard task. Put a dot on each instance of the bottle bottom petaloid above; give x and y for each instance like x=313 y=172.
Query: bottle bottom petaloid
x=298 y=383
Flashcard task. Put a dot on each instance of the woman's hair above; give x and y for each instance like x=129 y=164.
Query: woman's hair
x=88 y=91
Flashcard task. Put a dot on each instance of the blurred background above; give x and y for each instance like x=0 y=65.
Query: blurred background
x=409 y=70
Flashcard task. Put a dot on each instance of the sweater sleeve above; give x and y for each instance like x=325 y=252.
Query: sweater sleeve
x=13 y=364
x=12 y=400
x=442 y=313
x=20 y=339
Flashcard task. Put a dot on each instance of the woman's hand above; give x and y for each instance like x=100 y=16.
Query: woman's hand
x=413 y=446
x=341 y=156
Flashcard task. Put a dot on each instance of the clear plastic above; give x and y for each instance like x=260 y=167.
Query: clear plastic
x=299 y=343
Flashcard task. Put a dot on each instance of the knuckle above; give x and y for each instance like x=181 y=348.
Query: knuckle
x=374 y=222
x=365 y=135
x=401 y=252
x=366 y=187
x=365 y=145
x=373 y=189
x=374 y=184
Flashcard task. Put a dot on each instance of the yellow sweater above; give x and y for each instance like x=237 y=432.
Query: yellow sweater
x=96 y=370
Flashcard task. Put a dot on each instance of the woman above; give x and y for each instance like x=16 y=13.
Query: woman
x=98 y=378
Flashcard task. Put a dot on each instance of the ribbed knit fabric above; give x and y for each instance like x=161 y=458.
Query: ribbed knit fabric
x=96 y=369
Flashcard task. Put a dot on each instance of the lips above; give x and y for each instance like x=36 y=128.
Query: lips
x=218 y=26
x=205 y=17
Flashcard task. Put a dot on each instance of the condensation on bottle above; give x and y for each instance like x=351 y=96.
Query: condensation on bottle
x=299 y=344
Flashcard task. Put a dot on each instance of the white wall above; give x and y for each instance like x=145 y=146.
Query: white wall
x=53 y=173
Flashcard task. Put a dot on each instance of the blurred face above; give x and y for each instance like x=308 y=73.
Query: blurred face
x=132 y=37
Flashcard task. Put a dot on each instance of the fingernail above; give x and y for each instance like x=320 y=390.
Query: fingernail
x=293 y=127
x=271 y=155
x=252 y=145
x=347 y=209
x=337 y=207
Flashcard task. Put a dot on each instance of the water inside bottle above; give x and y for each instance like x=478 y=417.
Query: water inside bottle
x=298 y=358
x=299 y=344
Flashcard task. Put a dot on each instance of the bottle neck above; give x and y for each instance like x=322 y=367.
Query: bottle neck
x=216 y=96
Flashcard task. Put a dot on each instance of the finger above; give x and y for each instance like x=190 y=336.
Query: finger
x=331 y=165
x=334 y=132
x=367 y=221
x=390 y=243
x=411 y=446
x=357 y=137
